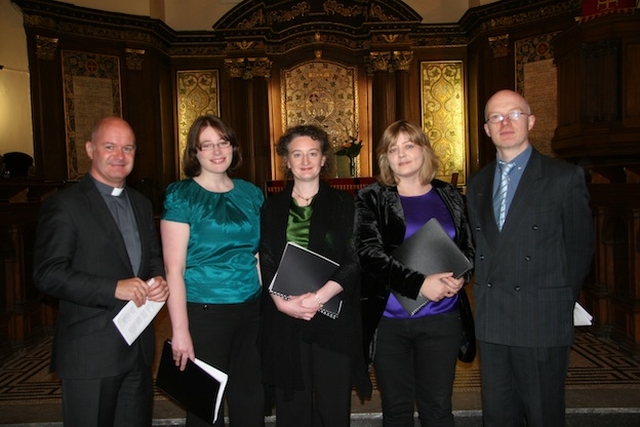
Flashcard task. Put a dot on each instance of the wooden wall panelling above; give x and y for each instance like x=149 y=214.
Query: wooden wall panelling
x=613 y=292
x=49 y=146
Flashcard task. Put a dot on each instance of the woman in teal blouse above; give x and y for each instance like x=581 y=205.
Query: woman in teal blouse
x=210 y=236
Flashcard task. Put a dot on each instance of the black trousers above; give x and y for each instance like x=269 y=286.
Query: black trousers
x=122 y=401
x=415 y=364
x=523 y=383
x=225 y=336
x=326 y=398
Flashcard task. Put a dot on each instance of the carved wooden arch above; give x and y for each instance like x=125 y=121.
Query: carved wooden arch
x=276 y=27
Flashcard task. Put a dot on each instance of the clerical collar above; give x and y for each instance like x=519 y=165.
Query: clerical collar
x=105 y=189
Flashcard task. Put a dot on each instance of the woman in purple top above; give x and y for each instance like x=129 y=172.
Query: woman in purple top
x=414 y=355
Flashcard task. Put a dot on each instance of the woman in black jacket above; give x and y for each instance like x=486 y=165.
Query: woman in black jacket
x=310 y=360
x=414 y=355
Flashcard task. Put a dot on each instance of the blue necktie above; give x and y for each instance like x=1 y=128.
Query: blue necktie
x=500 y=198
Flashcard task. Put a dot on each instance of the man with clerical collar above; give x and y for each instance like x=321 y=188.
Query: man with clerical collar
x=97 y=249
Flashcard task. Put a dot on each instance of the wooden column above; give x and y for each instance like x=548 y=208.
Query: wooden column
x=249 y=115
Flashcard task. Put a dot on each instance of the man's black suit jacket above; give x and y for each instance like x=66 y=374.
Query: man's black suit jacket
x=79 y=256
x=528 y=276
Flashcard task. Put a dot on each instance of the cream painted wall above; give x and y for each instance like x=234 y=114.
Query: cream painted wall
x=15 y=96
x=181 y=15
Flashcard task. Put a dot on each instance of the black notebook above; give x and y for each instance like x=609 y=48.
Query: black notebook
x=199 y=388
x=429 y=250
x=301 y=271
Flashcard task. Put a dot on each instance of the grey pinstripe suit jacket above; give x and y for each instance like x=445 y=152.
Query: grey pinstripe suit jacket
x=528 y=276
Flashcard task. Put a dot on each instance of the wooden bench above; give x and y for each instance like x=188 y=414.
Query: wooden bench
x=350 y=185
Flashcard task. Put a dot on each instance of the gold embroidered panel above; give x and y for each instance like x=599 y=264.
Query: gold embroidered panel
x=443 y=115
x=198 y=95
x=91 y=92
x=325 y=94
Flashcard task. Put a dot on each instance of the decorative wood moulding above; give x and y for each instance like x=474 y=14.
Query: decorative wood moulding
x=499 y=45
x=491 y=17
x=388 y=61
x=267 y=28
x=248 y=68
x=46 y=47
x=134 y=59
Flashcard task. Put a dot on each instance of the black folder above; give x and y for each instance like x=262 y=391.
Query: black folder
x=199 y=388
x=429 y=250
x=302 y=270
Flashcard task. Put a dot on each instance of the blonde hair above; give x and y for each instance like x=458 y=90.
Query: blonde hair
x=416 y=135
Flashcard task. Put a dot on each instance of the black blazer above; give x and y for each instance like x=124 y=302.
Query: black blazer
x=330 y=234
x=379 y=230
x=79 y=257
x=528 y=276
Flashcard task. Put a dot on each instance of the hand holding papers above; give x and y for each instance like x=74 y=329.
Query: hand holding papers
x=429 y=250
x=132 y=320
x=301 y=271
x=199 y=388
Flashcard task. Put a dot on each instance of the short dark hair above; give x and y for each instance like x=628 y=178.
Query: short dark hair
x=190 y=164
x=416 y=135
x=313 y=132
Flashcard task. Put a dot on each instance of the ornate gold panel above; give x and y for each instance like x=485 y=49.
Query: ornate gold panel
x=443 y=115
x=325 y=94
x=198 y=94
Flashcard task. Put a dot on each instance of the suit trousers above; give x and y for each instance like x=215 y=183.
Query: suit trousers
x=122 y=401
x=225 y=336
x=415 y=363
x=523 y=383
x=326 y=398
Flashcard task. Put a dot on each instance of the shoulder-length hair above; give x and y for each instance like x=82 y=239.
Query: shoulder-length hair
x=313 y=132
x=190 y=164
x=416 y=135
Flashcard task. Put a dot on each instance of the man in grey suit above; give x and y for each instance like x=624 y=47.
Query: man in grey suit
x=96 y=249
x=533 y=252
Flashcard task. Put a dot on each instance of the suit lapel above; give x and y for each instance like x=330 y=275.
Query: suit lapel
x=485 y=205
x=97 y=209
x=527 y=191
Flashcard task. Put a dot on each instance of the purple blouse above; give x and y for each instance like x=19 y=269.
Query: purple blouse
x=417 y=211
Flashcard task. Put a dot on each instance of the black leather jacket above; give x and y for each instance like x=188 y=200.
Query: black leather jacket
x=379 y=229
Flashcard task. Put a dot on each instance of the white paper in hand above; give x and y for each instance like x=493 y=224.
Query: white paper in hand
x=132 y=320
x=581 y=317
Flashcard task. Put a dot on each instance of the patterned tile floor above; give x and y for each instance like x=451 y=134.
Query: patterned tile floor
x=600 y=376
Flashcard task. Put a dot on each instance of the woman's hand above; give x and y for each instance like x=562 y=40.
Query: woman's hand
x=298 y=307
x=182 y=349
x=441 y=285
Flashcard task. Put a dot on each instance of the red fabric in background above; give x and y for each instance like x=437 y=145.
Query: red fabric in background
x=595 y=8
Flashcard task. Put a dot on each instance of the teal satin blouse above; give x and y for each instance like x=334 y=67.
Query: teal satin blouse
x=223 y=240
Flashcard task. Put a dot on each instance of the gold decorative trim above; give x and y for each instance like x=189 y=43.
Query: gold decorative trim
x=248 y=68
x=333 y=7
x=46 y=47
x=388 y=61
x=297 y=10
